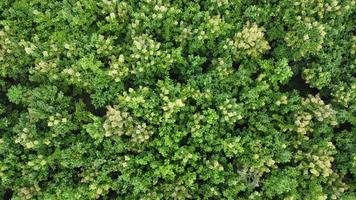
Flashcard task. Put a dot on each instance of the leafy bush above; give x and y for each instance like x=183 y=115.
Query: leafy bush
x=158 y=99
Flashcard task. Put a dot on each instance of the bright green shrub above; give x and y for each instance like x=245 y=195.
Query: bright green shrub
x=158 y=99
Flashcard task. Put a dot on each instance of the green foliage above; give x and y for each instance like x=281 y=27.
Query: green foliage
x=159 y=99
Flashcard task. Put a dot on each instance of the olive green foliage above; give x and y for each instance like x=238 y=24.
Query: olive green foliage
x=180 y=99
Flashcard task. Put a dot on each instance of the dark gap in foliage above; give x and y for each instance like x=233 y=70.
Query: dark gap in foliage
x=239 y=126
x=120 y=39
x=12 y=106
x=99 y=147
x=195 y=106
x=93 y=27
x=99 y=18
x=230 y=161
x=86 y=154
x=344 y=127
x=105 y=61
x=199 y=181
x=69 y=90
x=297 y=66
x=269 y=53
x=349 y=177
x=207 y=64
x=158 y=35
x=184 y=141
x=52 y=171
x=191 y=101
x=255 y=75
x=236 y=65
x=44 y=183
x=125 y=138
x=78 y=94
x=128 y=83
x=176 y=76
x=285 y=165
x=298 y=83
x=50 y=150
x=258 y=187
x=96 y=111
x=8 y=194
x=112 y=194
x=76 y=175
x=208 y=152
x=114 y=175
x=145 y=168
x=325 y=93
x=11 y=81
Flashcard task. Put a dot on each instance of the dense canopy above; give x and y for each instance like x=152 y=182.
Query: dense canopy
x=177 y=99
